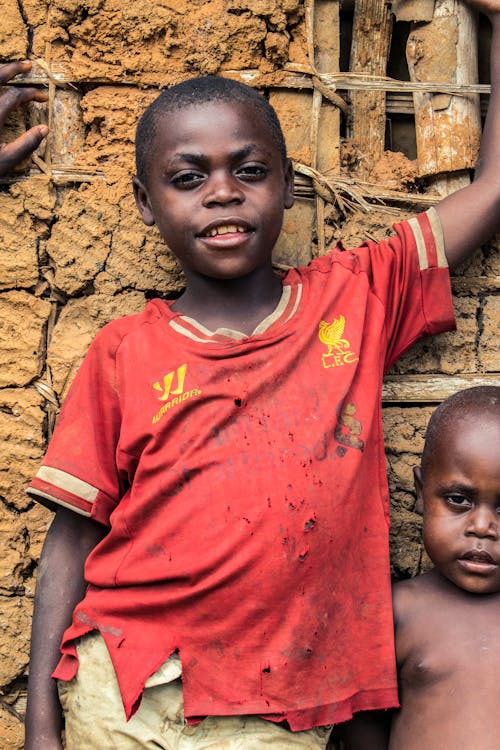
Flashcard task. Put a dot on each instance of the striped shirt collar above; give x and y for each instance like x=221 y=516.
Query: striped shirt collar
x=284 y=310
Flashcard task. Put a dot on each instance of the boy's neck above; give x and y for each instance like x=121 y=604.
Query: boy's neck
x=239 y=304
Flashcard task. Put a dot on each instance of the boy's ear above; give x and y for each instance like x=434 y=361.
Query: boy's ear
x=142 y=202
x=289 y=200
x=417 y=476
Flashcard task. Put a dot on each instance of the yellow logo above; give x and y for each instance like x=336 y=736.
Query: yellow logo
x=339 y=349
x=176 y=377
x=166 y=387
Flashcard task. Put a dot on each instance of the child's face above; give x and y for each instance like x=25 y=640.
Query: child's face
x=216 y=189
x=461 y=499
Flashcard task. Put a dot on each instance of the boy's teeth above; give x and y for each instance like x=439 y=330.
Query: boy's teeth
x=225 y=229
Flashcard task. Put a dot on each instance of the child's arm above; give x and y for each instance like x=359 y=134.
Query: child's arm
x=367 y=730
x=471 y=216
x=13 y=153
x=60 y=586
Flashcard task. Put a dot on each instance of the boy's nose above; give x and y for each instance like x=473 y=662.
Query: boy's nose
x=483 y=522
x=222 y=188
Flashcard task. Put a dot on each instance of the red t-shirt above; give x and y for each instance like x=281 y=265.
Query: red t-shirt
x=243 y=483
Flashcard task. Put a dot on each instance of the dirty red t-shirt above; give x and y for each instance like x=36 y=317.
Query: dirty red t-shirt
x=243 y=483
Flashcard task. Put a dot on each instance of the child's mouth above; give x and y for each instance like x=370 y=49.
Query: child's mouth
x=226 y=237
x=225 y=229
x=225 y=234
x=478 y=561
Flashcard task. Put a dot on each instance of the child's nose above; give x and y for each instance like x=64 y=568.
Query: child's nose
x=483 y=521
x=222 y=188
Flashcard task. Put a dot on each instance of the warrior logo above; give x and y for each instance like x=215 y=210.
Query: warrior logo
x=166 y=388
x=178 y=393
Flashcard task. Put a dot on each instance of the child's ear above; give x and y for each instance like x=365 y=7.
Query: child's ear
x=289 y=200
x=417 y=476
x=142 y=202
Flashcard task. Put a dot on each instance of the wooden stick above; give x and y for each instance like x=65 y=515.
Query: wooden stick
x=369 y=54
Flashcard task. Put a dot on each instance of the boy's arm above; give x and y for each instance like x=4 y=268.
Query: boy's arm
x=472 y=215
x=13 y=153
x=60 y=586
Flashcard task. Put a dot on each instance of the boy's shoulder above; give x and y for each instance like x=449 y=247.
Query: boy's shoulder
x=113 y=332
x=418 y=233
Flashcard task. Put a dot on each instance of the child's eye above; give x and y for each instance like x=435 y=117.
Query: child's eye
x=186 y=179
x=251 y=172
x=458 y=501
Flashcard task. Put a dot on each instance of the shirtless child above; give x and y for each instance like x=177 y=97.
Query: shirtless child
x=447 y=620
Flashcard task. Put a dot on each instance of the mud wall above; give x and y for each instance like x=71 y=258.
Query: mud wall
x=74 y=254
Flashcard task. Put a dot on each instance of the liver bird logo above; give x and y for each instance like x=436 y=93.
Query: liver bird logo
x=330 y=334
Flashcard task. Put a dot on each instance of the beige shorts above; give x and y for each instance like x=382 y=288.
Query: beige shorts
x=95 y=719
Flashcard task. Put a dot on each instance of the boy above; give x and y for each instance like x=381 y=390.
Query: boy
x=224 y=457
x=447 y=643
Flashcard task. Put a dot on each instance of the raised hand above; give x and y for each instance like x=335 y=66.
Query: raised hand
x=489 y=7
x=13 y=153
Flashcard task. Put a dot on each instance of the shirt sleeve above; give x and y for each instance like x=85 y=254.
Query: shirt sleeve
x=409 y=275
x=79 y=470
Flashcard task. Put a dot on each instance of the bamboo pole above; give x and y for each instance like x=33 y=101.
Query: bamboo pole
x=371 y=40
x=312 y=125
x=324 y=52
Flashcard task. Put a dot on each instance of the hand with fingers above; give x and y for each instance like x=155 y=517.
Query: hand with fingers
x=12 y=154
x=489 y=7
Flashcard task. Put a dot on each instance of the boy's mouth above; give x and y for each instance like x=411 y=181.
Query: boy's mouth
x=225 y=229
x=219 y=229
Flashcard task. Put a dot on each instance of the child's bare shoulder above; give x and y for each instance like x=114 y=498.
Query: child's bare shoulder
x=412 y=593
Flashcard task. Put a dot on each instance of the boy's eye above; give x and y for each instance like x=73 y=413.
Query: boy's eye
x=251 y=171
x=458 y=501
x=186 y=179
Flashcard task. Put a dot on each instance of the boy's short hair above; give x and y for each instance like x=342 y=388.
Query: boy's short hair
x=191 y=93
x=479 y=400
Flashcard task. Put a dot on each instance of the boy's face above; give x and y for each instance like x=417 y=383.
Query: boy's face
x=461 y=499
x=216 y=189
